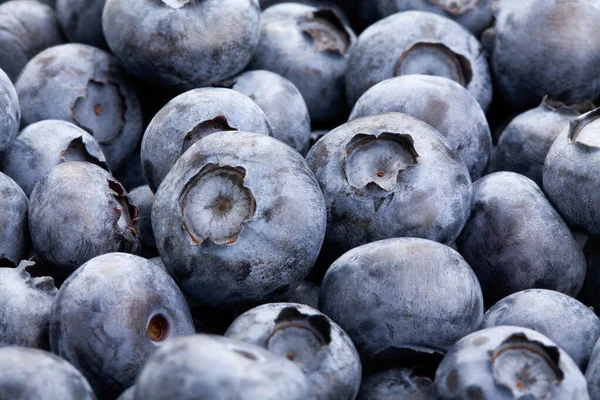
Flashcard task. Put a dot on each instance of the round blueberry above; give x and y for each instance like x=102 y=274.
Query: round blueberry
x=81 y=21
x=182 y=44
x=130 y=307
x=239 y=220
x=308 y=338
x=397 y=384
x=416 y=42
x=515 y=240
x=43 y=145
x=188 y=118
x=442 y=103
x=86 y=86
x=400 y=295
x=25 y=303
x=508 y=362
x=79 y=211
x=14 y=228
x=10 y=113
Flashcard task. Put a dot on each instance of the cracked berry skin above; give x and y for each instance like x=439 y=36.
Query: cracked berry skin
x=572 y=173
x=219 y=368
x=525 y=142
x=131 y=306
x=400 y=384
x=14 y=228
x=389 y=175
x=239 y=220
x=182 y=44
x=143 y=198
x=309 y=46
x=563 y=64
x=282 y=103
x=508 y=362
x=26 y=28
x=188 y=118
x=440 y=102
x=509 y=252
x=10 y=113
x=310 y=339
x=81 y=21
x=398 y=296
x=43 y=145
x=79 y=211
x=574 y=327
x=37 y=374
x=25 y=303
x=416 y=42
x=86 y=86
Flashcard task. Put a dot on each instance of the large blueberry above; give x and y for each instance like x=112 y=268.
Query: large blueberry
x=33 y=374
x=572 y=173
x=281 y=101
x=86 y=86
x=309 y=46
x=442 y=103
x=26 y=28
x=112 y=314
x=79 y=211
x=308 y=338
x=206 y=367
x=14 y=228
x=543 y=47
x=82 y=21
x=416 y=42
x=182 y=44
x=143 y=198
x=10 y=113
x=188 y=118
x=43 y=145
x=401 y=295
x=515 y=240
x=475 y=15
x=25 y=303
x=390 y=175
x=397 y=384
x=239 y=219
x=508 y=362
x=525 y=142
x=566 y=321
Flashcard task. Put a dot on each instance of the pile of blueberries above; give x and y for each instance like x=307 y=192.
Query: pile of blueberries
x=332 y=200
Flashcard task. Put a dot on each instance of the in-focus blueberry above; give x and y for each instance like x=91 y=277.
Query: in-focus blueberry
x=10 y=113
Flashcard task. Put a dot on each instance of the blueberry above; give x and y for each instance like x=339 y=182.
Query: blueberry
x=85 y=86
x=398 y=384
x=475 y=15
x=572 y=172
x=14 y=229
x=308 y=338
x=129 y=305
x=82 y=21
x=515 y=240
x=143 y=198
x=188 y=118
x=416 y=42
x=527 y=69
x=525 y=142
x=508 y=362
x=25 y=303
x=282 y=103
x=307 y=293
x=79 y=211
x=239 y=220
x=182 y=44
x=26 y=28
x=402 y=295
x=564 y=320
x=206 y=367
x=43 y=145
x=33 y=374
x=309 y=46
x=442 y=103
x=389 y=175
x=10 y=113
